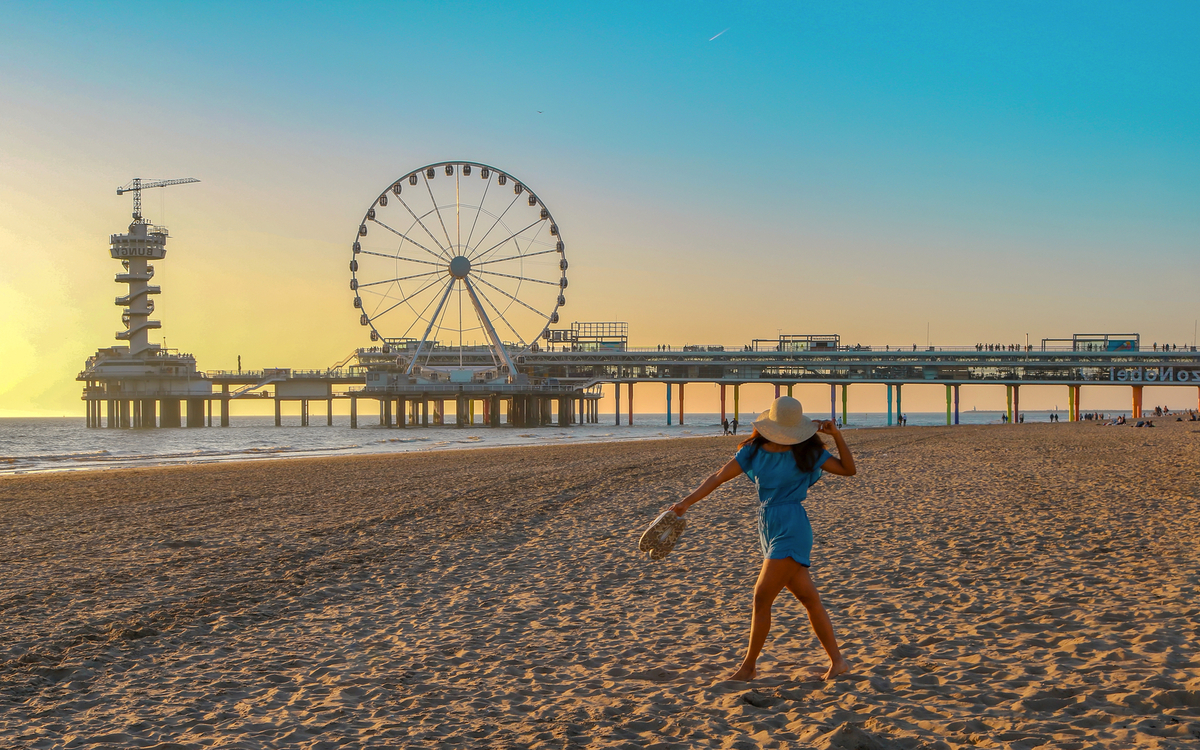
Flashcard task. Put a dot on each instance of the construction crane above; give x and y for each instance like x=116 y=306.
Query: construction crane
x=138 y=185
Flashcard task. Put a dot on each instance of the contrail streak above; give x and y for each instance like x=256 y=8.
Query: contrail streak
x=720 y=34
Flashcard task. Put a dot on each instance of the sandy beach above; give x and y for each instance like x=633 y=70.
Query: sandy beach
x=994 y=587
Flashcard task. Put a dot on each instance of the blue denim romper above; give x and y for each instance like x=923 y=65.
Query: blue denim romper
x=783 y=526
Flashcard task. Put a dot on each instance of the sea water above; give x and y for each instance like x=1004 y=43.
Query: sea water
x=66 y=444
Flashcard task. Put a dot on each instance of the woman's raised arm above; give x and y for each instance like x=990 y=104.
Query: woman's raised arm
x=844 y=463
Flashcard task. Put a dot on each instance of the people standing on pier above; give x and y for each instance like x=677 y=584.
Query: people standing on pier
x=784 y=456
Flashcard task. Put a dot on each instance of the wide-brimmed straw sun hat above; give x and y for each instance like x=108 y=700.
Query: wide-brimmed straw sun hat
x=784 y=423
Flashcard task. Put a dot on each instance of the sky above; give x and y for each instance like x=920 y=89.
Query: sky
x=895 y=173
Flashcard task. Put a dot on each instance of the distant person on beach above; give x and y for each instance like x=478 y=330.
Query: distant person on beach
x=733 y=425
x=783 y=456
x=725 y=425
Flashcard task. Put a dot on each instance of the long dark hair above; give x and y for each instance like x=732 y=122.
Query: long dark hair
x=805 y=453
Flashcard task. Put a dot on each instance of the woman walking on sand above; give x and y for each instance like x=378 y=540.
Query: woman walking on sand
x=784 y=456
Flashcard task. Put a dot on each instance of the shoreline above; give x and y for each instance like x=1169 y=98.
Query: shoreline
x=74 y=450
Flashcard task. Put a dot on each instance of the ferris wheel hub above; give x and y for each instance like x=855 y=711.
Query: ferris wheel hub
x=460 y=266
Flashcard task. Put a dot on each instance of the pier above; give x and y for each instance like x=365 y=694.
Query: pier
x=564 y=386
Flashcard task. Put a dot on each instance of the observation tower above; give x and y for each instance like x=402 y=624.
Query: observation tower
x=137 y=381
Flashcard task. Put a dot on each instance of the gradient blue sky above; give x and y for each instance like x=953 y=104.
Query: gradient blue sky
x=989 y=169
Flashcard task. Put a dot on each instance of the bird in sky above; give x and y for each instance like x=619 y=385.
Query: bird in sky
x=720 y=34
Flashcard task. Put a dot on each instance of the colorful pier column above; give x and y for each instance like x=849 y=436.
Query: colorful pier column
x=1078 y=401
x=777 y=390
x=1008 y=393
x=845 y=398
x=328 y=413
x=1070 y=403
x=617 y=402
x=789 y=389
x=735 y=400
x=279 y=415
x=889 y=400
x=353 y=413
x=722 y=403
x=948 y=404
x=668 y=404
x=1016 y=417
x=899 y=404
x=681 y=404
x=832 y=402
x=631 y=403
x=1137 y=402
x=956 y=403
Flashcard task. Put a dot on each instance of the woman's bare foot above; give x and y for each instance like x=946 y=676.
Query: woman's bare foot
x=743 y=674
x=838 y=667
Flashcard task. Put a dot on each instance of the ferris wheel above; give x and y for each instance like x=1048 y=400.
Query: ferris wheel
x=455 y=258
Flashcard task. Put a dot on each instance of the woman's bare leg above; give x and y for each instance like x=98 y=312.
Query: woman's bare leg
x=773 y=576
x=802 y=586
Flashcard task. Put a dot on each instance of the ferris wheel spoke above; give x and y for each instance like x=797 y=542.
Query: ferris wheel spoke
x=418 y=220
x=449 y=242
x=406 y=299
x=506 y=239
x=401 y=257
x=492 y=228
x=520 y=339
x=401 y=278
x=512 y=257
x=519 y=278
x=410 y=239
x=478 y=210
x=536 y=311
